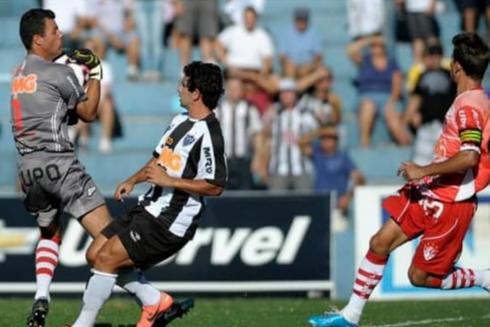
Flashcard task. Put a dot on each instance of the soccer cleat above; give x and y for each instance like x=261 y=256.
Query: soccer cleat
x=150 y=313
x=177 y=310
x=39 y=311
x=330 y=319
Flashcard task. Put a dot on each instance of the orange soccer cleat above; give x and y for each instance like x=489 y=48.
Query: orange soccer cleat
x=151 y=312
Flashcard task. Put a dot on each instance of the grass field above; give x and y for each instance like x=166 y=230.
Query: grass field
x=265 y=312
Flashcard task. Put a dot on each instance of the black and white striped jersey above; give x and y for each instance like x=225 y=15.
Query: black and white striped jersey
x=288 y=126
x=189 y=149
x=239 y=122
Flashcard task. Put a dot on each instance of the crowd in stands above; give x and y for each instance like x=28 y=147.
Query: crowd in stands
x=282 y=126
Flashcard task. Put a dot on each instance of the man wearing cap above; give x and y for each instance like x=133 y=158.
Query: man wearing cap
x=432 y=95
x=300 y=47
x=286 y=123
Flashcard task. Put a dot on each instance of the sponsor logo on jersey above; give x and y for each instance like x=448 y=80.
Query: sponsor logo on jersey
x=170 y=160
x=208 y=160
x=24 y=84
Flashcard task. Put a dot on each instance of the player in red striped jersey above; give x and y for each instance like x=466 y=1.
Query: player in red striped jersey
x=439 y=199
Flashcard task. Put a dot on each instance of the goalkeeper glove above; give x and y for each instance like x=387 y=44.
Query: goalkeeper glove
x=90 y=60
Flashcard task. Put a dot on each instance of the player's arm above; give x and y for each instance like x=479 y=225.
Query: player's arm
x=87 y=110
x=469 y=123
x=125 y=188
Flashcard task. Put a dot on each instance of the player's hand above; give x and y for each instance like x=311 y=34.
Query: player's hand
x=88 y=58
x=123 y=190
x=156 y=174
x=410 y=171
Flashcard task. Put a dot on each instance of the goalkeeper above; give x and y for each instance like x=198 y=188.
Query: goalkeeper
x=44 y=96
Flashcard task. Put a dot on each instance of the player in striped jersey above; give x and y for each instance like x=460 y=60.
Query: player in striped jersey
x=439 y=199
x=188 y=163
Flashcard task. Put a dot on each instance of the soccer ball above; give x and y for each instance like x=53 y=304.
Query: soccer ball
x=81 y=71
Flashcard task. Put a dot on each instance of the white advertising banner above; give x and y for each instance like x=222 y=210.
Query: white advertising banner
x=370 y=216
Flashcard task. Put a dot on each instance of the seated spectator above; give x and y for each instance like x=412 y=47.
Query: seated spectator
x=112 y=25
x=199 y=19
x=71 y=18
x=325 y=105
x=300 y=48
x=365 y=18
x=241 y=126
x=422 y=25
x=149 y=16
x=286 y=123
x=334 y=170
x=263 y=89
x=426 y=109
x=247 y=46
x=248 y=49
x=233 y=10
x=379 y=85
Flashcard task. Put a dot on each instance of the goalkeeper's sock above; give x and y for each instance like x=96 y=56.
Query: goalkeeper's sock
x=135 y=283
x=99 y=288
x=367 y=277
x=47 y=252
x=460 y=278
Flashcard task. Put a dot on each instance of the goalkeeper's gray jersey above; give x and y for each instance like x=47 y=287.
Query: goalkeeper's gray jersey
x=42 y=93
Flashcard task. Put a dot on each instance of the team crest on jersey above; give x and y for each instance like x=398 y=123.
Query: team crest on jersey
x=189 y=139
x=430 y=251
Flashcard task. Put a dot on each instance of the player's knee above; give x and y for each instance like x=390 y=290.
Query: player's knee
x=91 y=255
x=103 y=259
x=378 y=245
x=417 y=277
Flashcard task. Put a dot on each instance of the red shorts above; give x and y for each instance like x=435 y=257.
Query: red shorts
x=442 y=225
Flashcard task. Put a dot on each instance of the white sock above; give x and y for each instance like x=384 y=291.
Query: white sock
x=47 y=252
x=135 y=283
x=462 y=278
x=98 y=290
x=367 y=277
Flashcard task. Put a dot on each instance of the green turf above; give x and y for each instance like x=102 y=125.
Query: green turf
x=266 y=312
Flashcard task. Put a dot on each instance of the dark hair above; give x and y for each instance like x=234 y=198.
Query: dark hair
x=472 y=53
x=32 y=23
x=251 y=9
x=208 y=79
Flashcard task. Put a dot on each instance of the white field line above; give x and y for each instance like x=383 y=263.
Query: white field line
x=428 y=321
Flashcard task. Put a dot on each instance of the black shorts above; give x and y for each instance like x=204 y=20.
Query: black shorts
x=421 y=26
x=147 y=241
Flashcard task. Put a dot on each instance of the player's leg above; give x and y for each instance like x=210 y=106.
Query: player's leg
x=368 y=275
x=440 y=246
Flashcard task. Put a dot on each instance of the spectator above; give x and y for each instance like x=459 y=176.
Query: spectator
x=112 y=24
x=334 y=170
x=149 y=15
x=241 y=126
x=288 y=168
x=233 y=10
x=422 y=25
x=365 y=18
x=300 y=47
x=433 y=94
x=470 y=11
x=71 y=19
x=325 y=105
x=380 y=83
x=247 y=46
x=199 y=19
